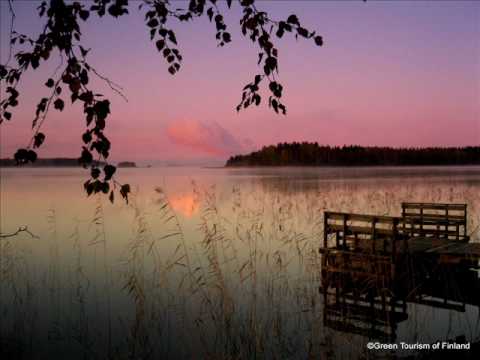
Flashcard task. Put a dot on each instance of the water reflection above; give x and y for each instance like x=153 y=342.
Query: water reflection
x=186 y=204
x=236 y=277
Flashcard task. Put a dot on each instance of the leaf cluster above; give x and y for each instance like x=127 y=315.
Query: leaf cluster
x=260 y=29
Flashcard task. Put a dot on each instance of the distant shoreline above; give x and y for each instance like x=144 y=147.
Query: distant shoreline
x=59 y=163
x=47 y=162
x=223 y=167
x=342 y=166
x=314 y=155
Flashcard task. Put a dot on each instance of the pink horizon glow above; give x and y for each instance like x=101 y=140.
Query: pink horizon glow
x=390 y=74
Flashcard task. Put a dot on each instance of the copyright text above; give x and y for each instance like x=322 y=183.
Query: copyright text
x=440 y=345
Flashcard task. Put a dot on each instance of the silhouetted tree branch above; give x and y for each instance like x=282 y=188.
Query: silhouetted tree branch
x=19 y=230
x=62 y=33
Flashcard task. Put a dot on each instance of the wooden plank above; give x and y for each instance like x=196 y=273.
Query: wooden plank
x=365 y=230
x=431 y=233
x=433 y=206
x=345 y=231
x=325 y=232
x=433 y=217
x=359 y=217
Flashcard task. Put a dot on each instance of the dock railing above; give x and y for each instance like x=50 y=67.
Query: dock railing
x=362 y=246
x=442 y=221
x=370 y=234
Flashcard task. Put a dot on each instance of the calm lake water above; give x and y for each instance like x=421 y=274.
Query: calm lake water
x=202 y=262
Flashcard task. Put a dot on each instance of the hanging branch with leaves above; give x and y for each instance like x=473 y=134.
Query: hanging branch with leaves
x=62 y=34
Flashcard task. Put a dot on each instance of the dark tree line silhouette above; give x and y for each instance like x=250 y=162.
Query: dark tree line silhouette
x=313 y=154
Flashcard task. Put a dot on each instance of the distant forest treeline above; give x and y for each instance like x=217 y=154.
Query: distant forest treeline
x=52 y=162
x=313 y=154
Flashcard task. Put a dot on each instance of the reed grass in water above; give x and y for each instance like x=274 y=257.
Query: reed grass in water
x=242 y=284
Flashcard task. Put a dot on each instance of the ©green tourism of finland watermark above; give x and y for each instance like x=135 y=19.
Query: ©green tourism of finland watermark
x=439 y=345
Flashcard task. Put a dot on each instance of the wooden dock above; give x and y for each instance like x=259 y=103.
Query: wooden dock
x=439 y=229
x=373 y=265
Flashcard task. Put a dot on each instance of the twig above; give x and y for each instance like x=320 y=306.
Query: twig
x=12 y=24
x=115 y=87
x=20 y=229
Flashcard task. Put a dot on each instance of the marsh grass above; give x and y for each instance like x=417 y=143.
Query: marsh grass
x=243 y=284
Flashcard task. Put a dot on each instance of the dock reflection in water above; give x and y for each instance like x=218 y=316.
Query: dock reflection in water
x=364 y=304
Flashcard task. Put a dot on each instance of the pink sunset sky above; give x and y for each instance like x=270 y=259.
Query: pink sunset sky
x=391 y=73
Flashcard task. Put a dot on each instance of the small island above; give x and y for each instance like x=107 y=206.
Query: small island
x=126 y=164
x=313 y=154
